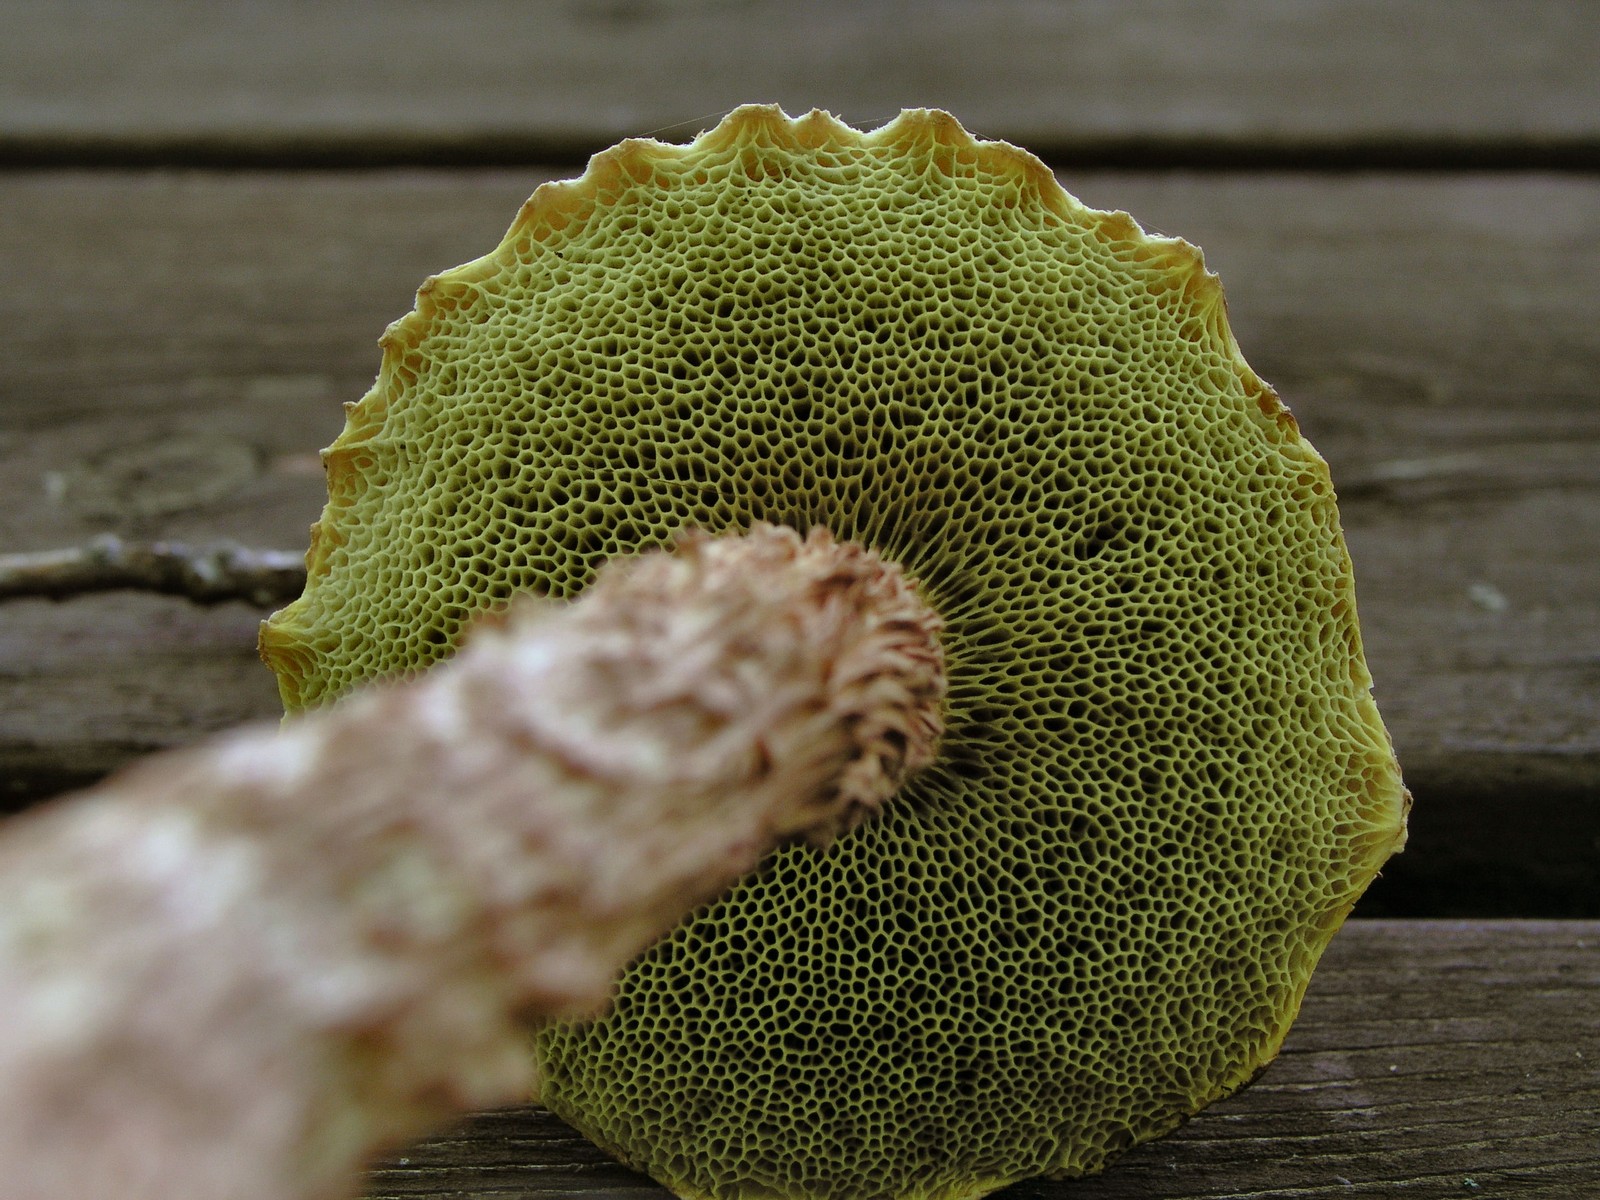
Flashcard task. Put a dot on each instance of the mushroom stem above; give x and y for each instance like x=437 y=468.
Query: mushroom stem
x=245 y=968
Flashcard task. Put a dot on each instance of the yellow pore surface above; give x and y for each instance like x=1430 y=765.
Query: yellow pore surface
x=1164 y=782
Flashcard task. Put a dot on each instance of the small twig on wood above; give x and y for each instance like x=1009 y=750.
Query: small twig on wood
x=206 y=574
x=242 y=970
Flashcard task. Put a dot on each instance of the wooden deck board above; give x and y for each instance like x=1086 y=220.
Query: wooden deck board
x=1433 y=1059
x=183 y=343
x=178 y=345
x=494 y=78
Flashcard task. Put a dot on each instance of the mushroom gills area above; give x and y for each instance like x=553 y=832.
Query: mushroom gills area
x=1163 y=782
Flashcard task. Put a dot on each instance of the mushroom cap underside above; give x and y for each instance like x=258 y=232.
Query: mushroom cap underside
x=1164 y=781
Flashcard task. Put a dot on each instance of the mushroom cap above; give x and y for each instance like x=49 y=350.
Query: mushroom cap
x=1164 y=781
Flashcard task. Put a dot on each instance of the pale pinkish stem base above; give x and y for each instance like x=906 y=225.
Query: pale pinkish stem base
x=242 y=970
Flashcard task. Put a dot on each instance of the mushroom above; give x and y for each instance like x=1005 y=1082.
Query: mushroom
x=243 y=968
x=1164 y=781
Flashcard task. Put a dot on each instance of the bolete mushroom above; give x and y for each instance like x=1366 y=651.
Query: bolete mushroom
x=1164 y=781
x=243 y=968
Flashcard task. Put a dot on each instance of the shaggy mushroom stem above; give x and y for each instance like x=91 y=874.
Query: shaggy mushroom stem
x=243 y=969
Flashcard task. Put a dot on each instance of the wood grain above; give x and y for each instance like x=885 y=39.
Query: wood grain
x=88 y=685
x=182 y=342
x=178 y=346
x=1431 y=1058
x=1347 y=81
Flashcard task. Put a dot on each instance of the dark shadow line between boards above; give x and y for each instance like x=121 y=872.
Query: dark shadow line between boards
x=358 y=151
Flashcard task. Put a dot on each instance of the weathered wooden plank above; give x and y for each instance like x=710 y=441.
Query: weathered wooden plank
x=179 y=346
x=496 y=80
x=1444 y=1059
x=89 y=684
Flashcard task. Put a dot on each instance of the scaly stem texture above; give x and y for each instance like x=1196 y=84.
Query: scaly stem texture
x=241 y=970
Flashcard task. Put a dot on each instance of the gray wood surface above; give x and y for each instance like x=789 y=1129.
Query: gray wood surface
x=1236 y=80
x=179 y=346
x=1431 y=1059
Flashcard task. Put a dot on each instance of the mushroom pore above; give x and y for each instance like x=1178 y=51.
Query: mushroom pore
x=1164 y=781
